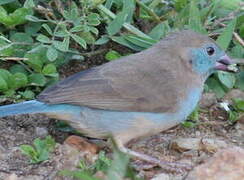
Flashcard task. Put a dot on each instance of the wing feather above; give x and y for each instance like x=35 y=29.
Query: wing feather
x=127 y=84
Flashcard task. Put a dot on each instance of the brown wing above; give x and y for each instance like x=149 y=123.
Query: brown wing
x=128 y=84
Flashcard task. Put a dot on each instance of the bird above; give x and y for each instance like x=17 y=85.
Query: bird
x=135 y=96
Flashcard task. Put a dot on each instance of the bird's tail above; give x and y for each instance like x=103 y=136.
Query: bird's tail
x=27 y=107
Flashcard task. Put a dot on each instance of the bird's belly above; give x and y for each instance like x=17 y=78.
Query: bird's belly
x=125 y=125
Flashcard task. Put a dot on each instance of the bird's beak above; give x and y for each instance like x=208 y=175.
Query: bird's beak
x=223 y=63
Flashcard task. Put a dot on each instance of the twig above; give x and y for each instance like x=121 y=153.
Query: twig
x=26 y=67
x=13 y=58
x=89 y=54
x=238 y=38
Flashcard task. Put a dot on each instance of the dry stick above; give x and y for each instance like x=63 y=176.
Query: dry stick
x=13 y=59
x=238 y=38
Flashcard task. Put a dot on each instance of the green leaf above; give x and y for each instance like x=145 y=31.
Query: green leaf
x=103 y=163
x=112 y=55
x=239 y=104
x=40 y=151
x=94 y=30
x=49 y=143
x=83 y=175
x=37 y=80
x=232 y=116
x=15 y=18
x=124 y=16
x=8 y=78
x=79 y=40
x=228 y=79
x=62 y=46
x=6 y=1
x=30 y=152
x=20 y=79
x=129 y=11
x=77 y=57
x=179 y=4
x=216 y=86
x=88 y=37
x=61 y=33
x=21 y=37
x=121 y=40
x=48 y=29
x=118 y=167
x=225 y=38
x=29 y=4
x=3 y=84
x=74 y=12
x=32 y=28
x=93 y=19
x=34 y=18
x=240 y=80
x=160 y=30
x=237 y=51
x=34 y=61
x=17 y=68
x=195 y=19
x=50 y=70
x=42 y=38
x=139 y=41
x=77 y=28
x=104 y=39
x=52 y=53
x=117 y=23
x=182 y=18
x=226 y=7
x=188 y=124
x=27 y=94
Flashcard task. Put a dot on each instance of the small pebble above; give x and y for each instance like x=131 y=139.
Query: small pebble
x=41 y=132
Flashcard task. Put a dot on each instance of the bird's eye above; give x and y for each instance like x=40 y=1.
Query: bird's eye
x=210 y=51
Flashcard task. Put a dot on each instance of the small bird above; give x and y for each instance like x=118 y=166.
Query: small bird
x=135 y=96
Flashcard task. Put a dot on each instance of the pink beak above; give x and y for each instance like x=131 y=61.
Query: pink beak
x=223 y=63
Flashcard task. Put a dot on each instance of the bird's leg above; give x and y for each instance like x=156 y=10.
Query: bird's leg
x=166 y=165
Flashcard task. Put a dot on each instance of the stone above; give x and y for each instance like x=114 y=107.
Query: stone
x=204 y=144
x=226 y=164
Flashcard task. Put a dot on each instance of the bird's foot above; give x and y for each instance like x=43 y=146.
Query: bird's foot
x=175 y=167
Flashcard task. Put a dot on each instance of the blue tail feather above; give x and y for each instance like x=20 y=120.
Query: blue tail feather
x=27 y=107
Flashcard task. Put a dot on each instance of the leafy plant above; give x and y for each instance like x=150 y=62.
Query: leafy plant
x=112 y=55
x=192 y=119
x=40 y=150
x=237 y=111
x=41 y=45
x=114 y=169
x=87 y=171
x=44 y=38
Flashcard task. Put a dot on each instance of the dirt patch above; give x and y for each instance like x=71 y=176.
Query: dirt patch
x=17 y=130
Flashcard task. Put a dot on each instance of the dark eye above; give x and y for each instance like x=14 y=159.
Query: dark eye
x=210 y=51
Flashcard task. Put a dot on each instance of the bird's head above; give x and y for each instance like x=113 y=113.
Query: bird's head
x=209 y=58
x=200 y=53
